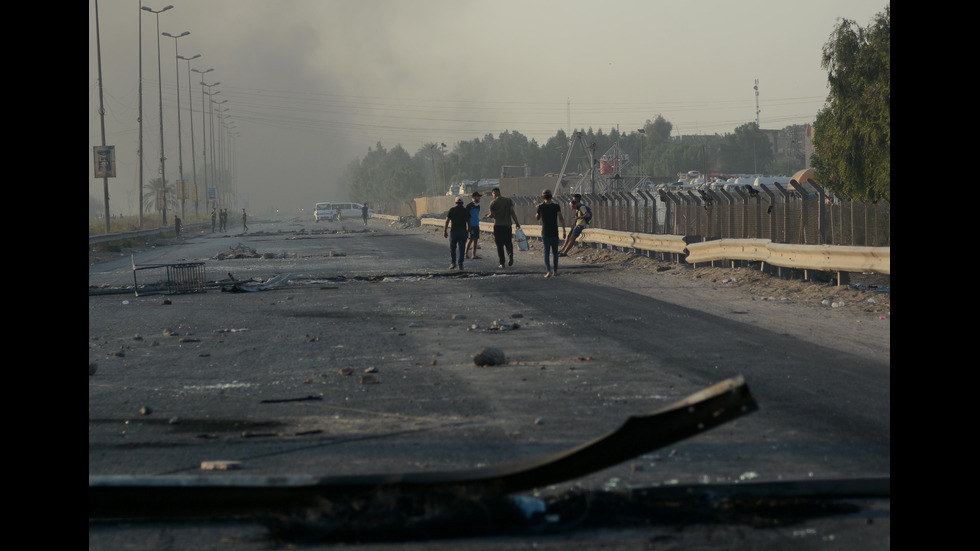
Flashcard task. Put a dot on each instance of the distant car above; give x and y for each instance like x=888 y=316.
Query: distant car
x=328 y=211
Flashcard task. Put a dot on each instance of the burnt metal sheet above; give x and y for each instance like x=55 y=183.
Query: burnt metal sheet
x=151 y=497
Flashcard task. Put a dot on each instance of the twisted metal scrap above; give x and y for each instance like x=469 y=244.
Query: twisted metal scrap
x=149 y=497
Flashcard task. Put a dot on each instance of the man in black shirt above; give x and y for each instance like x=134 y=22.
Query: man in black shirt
x=460 y=219
x=550 y=214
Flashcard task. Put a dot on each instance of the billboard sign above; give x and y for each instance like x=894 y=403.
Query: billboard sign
x=105 y=161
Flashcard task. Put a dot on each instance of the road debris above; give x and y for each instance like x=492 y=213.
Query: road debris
x=147 y=496
x=220 y=465
x=253 y=286
x=501 y=325
x=490 y=355
x=238 y=251
x=280 y=400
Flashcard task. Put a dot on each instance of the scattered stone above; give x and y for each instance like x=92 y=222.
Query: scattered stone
x=170 y=333
x=137 y=337
x=500 y=325
x=145 y=410
x=369 y=380
x=166 y=301
x=346 y=371
x=371 y=370
x=459 y=316
x=490 y=355
x=174 y=421
x=92 y=368
x=120 y=353
x=517 y=315
x=187 y=339
x=539 y=421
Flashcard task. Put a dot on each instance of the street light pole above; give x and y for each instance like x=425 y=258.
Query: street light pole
x=182 y=187
x=204 y=130
x=218 y=166
x=210 y=137
x=190 y=117
x=163 y=159
x=98 y=50
x=139 y=184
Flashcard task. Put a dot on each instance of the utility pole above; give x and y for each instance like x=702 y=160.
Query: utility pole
x=98 y=53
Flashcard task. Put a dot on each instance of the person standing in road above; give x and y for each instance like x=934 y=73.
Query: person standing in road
x=460 y=219
x=223 y=220
x=244 y=218
x=550 y=215
x=364 y=210
x=474 y=209
x=214 y=218
x=502 y=212
x=583 y=217
x=176 y=225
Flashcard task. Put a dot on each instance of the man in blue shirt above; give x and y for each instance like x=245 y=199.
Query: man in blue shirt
x=474 y=209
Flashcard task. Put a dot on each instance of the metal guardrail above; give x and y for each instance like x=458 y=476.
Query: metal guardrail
x=831 y=258
x=144 y=233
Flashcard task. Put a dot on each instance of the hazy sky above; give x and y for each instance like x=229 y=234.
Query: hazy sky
x=310 y=85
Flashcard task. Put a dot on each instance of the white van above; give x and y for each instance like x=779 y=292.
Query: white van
x=329 y=211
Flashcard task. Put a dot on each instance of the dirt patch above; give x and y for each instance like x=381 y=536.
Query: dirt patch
x=865 y=292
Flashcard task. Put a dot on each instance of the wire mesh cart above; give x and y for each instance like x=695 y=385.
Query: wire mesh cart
x=186 y=277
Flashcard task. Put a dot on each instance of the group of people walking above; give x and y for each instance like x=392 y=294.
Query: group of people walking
x=462 y=228
x=221 y=219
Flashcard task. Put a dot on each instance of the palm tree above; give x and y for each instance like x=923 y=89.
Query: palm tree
x=150 y=191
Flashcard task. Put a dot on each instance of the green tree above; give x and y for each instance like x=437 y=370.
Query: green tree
x=748 y=150
x=852 y=133
x=150 y=191
x=385 y=176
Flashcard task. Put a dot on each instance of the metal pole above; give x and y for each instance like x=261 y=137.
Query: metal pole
x=98 y=53
x=204 y=131
x=181 y=188
x=139 y=184
x=163 y=172
x=190 y=117
x=163 y=158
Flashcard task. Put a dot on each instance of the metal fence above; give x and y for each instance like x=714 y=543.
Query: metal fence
x=799 y=214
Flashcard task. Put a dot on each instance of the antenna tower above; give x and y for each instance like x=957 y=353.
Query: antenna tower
x=756 y=87
x=568 y=114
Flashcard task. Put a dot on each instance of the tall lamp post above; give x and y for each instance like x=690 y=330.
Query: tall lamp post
x=98 y=50
x=210 y=137
x=190 y=117
x=163 y=159
x=181 y=187
x=204 y=130
x=140 y=183
x=218 y=176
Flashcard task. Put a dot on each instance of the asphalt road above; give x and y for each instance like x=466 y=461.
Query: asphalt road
x=255 y=377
